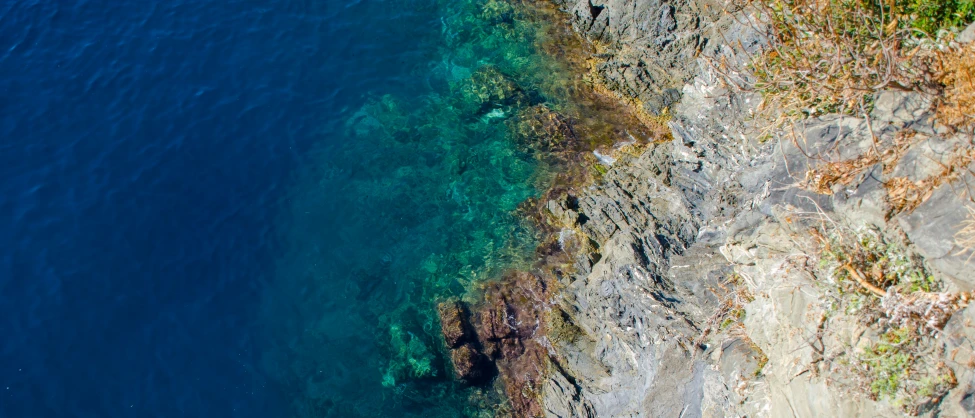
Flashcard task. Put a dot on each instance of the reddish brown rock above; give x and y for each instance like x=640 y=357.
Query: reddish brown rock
x=523 y=376
x=504 y=339
x=454 y=323
x=511 y=318
x=511 y=348
x=469 y=365
x=494 y=320
x=513 y=307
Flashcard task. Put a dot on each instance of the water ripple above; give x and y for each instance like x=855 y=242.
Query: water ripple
x=144 y=148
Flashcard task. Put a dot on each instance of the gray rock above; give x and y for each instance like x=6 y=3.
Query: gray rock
x=899 y=108
x=671 y=227
x=931 y=228
x=967 y=35
x=960 y=337
x=652 y=44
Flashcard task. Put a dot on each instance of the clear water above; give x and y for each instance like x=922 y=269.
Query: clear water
x=250 y=207
x=413 y=200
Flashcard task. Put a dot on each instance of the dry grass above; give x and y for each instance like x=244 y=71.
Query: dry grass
x=865 y=262
x=958 y=105
x=833 y=57
x=830 y=56
x=731 y=311
x=926 y=312
x=823 y=177
x=905 y=195
x=965 y=237
x=888 y=289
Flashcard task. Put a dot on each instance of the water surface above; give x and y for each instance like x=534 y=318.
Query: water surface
x=250 y=207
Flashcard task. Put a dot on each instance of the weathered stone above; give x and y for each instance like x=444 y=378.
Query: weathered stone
x=967 y=35
x=508 y=337
x=899 y=108
x=960 y=337
x=932 y=225
x=469 y=365
x=522 y=375
x=454 y=323
x=511 y=330
x=513 y=307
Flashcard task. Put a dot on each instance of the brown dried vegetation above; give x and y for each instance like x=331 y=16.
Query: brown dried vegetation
x=832 y=56
x=958 y=76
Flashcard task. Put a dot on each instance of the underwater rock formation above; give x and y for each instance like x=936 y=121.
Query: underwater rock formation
x=542 y=129
x=454 y=323
x=497 y=11
x=469 y=364
x=511 y=328
x=488 y=89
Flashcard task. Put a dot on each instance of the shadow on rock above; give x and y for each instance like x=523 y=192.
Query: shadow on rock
x=502 y=335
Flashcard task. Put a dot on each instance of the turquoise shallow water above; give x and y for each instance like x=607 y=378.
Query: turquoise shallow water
x=413 y=199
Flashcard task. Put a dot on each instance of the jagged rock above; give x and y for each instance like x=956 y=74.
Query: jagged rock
x=631 y=328
x=523 y=372
x=651 y=45
x=563 y=399
x=644 y=290
x=454 y=323
x=469 y=364
x=512 y=308
x=511 y=330
x=507 y=336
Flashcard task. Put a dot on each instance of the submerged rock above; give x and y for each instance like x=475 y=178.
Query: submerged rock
x=488 y=89
x=542 y=129
x=469 y=364
x=512 y=324
x=454 y=323
x=497 y=12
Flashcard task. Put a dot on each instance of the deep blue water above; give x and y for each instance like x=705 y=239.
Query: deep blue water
x=146 y=150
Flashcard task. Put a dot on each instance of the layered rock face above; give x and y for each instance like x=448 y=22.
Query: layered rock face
x=647 y=48
x=720 y=217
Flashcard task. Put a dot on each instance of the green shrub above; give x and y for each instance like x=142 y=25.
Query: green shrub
x=930 y=16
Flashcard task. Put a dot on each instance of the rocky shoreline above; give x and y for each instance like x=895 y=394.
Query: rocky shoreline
x=691 y=278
